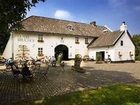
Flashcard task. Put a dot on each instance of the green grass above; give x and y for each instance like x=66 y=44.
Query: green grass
x=120 y=94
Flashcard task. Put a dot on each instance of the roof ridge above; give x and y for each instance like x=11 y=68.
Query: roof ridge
x=122 y=32
x=61 y=20
x=57 y=19
x=52 y=25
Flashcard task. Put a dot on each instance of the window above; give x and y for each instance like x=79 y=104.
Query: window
x=40 y=51
x=86 y=41
x=70 y=27
x=40 y=38
x=77 y=40
x=121 y=43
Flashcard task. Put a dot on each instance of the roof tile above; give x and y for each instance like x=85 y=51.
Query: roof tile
x=49 y=25
x=106 y=39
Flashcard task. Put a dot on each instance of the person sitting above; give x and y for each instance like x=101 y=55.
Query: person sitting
x=53 y=61
x=9 y=62
x=26 y=73
x=15 y=70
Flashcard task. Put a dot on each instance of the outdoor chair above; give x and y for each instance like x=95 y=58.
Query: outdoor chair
x=15 y=71
x=26 y=73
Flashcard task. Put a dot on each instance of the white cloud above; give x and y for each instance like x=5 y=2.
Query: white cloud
x=137 y=8
x=63 y=14
x=116 y=3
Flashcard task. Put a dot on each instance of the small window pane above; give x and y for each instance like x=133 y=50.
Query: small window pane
x=40 y=51
x=121 y=43
x=77 y=40
x=86 y=40
x=40 y=38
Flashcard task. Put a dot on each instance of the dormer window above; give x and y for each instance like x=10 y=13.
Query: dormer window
x=40 y=38
x=70 y=27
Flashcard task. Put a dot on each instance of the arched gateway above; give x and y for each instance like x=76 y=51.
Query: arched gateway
x=62 y=49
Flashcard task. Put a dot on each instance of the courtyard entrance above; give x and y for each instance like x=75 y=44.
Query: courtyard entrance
x=61 y=49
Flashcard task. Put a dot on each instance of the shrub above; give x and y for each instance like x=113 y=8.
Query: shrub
x=138 y=58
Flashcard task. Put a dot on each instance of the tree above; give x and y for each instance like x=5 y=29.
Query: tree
x=11 y=13
x=23 y=52
x=136 y=39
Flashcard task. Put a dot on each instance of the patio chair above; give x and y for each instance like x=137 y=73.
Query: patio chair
x=26 y=73
x=15 y=71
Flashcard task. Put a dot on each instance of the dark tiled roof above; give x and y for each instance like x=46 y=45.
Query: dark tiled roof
x=49 y=25
x=107 y=39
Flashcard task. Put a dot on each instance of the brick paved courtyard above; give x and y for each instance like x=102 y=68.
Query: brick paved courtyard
x=57 y=82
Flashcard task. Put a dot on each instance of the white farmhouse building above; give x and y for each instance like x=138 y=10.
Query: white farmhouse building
x=41 y=36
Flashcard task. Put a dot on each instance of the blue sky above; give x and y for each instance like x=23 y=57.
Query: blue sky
x=105 y=12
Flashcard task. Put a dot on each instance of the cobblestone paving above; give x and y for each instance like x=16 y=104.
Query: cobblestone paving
x=56 y=82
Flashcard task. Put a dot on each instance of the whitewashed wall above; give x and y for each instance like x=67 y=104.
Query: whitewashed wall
x=52 y=40
x=49 y=44
x=107 y=51
x=124 y=50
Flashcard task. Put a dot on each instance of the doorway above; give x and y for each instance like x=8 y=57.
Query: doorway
x=100 y=56
x=61 y=49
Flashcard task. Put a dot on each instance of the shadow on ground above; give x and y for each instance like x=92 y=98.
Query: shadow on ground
x=56 y=82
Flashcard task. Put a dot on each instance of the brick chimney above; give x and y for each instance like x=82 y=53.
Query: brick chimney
x=93 y=23
x=123 y=27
